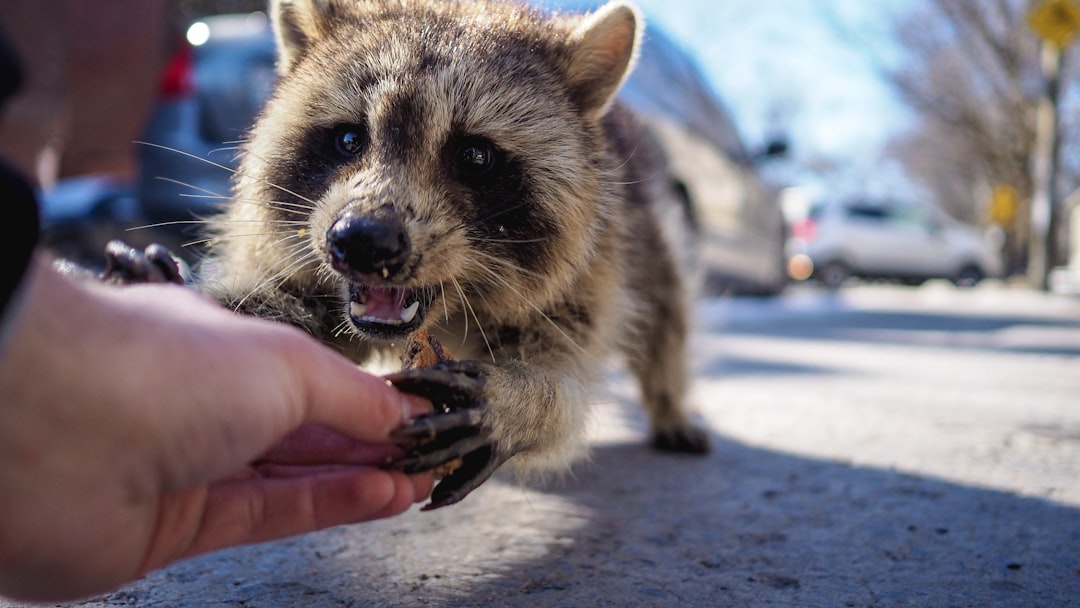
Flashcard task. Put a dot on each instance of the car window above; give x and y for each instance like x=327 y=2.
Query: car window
x=868 y=213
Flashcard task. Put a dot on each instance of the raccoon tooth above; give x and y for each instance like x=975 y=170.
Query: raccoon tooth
x=409 y=313
x=357 y=310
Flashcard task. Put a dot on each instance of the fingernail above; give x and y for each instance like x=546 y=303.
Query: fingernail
x=415 y=406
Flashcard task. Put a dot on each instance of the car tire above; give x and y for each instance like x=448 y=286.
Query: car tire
x=833 y=274
x=969 y=276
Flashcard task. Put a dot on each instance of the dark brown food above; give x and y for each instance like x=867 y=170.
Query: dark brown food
x=424 y=350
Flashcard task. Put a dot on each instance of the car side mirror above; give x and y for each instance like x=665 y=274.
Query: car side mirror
x=774 y=149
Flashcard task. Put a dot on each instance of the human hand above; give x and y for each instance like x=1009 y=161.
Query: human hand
x=143 y=425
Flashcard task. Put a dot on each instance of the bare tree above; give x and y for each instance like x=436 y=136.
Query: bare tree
x=967 y=80
x=972 y=76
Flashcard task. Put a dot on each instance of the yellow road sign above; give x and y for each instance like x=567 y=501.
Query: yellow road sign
x=1056 y=21
x=1003 y=203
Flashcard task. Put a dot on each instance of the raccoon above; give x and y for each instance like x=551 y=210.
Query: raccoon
x=463 y=168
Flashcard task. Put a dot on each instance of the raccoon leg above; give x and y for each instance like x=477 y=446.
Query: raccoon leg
x=659 y=362
x=456 y=430
x=487 y=413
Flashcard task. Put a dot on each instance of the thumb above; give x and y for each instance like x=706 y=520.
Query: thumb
x=341 y=396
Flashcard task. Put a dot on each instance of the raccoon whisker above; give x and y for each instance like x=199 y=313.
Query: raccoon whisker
x=163 y=224
x=500 y=212
x=503 y=263
x=287 y=223
x=188 y=185
x=218 y=222
x=643 y=180
x=501 y=280
x=289 y=207
x=464 y=307
x=295 y=257
x=280 y=277
x=212 y=239
x=285 y=206
x=479 y=325
x=210 y=195
x=229 y=169
x=446 y=309
x=277 y=233
x=234 y=147
x=495 y=277
x=511 y=241
x=252 y=154
x=340 y=328
x=570 y=340
x=187 y=154
x=618 y=168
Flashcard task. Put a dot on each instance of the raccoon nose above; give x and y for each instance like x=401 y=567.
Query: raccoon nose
x=368 y=244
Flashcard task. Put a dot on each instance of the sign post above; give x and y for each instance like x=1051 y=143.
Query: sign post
x=1057 y=22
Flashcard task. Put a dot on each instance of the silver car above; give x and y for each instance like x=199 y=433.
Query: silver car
x=909 y=243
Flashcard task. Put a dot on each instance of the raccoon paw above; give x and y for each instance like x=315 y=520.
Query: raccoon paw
x=455 y=434
x=125 y=265
x=687 y=439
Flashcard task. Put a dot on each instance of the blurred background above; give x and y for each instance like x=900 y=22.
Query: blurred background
x=814 y=140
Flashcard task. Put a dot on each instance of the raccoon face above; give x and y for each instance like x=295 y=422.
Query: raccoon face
x=443 y=158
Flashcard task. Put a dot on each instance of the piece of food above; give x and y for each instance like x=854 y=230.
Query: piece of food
x=424 y=350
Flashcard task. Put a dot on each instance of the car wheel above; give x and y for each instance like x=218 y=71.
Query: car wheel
x=969 y=276
x=833 y=274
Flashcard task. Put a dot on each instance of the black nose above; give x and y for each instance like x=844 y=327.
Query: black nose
x=368 y=244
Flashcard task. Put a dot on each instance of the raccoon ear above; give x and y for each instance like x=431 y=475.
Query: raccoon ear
x=605 y=47
x=297 y=24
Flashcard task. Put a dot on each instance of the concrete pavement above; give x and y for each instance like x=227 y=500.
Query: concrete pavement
x=881 y=447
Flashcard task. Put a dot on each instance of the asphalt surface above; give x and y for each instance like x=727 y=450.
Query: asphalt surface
x=878 y=447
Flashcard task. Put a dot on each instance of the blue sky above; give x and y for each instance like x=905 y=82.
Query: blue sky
x=799 y=68
x=795 y=66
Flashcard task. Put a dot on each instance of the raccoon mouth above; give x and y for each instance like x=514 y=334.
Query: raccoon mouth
x=384 y=312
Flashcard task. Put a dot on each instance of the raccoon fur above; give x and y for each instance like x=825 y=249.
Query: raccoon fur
x=463 y=168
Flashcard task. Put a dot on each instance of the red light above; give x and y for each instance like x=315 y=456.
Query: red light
x=804 y=230
x=176 y=78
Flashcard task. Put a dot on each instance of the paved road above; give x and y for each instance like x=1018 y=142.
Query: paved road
x=877 y=447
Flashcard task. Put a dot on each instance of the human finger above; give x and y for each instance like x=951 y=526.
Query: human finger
x=339 y=395
x=257 y=510
x=315 y=444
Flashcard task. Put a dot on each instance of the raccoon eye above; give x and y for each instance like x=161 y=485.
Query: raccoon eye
x=475 y=157
x=350 y=140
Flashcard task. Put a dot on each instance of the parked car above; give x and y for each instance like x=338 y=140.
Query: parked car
x=737 y=212
x=213 y=90
x=888 y=240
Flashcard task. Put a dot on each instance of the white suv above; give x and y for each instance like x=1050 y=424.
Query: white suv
x=886 y=240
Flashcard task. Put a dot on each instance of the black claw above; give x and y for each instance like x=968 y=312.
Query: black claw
x=126 y=265
x=165 y=262
x=451 y=384
x=477 y=468
x=428 y=427
x=455 y=431
x=425 y=460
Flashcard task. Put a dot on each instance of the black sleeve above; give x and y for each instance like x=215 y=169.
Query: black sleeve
x=19 y=205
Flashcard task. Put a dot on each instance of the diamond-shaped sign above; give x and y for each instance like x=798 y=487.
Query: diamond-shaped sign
x=1056 y=21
